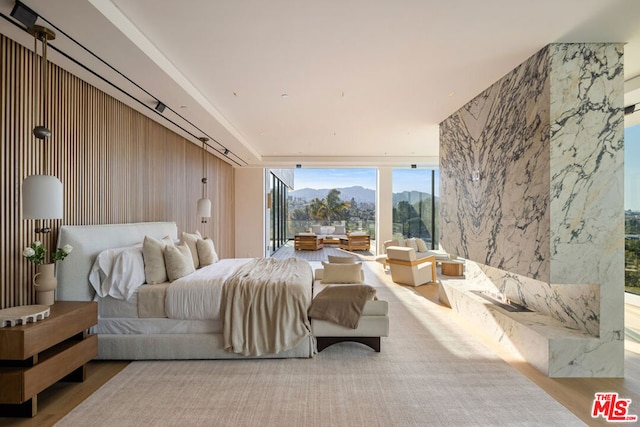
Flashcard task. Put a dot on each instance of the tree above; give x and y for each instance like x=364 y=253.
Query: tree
x=336 y=208
x=318 y=209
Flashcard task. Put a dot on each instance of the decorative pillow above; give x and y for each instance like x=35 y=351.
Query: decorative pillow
x=190 y=240
x=153 y=252
x=179 y=261
x=411 y=243
x=333 y=259
x=206 y=252
x=339 y=229
x=422 y=245
x=316 y=229
x=342 y=273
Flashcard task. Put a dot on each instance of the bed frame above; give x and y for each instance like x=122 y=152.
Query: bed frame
x=73 y=285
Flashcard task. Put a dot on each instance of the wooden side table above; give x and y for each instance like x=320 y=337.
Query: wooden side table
x=36 y=355
x=452 y=267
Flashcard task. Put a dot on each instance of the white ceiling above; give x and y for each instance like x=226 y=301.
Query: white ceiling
x=319 y=83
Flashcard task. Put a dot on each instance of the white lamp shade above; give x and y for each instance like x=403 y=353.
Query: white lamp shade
x=204 y=208
x=42 y=197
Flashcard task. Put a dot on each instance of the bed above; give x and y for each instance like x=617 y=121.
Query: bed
x=124 y=335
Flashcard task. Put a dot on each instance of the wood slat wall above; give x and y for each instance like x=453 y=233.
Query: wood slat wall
x=116 y=166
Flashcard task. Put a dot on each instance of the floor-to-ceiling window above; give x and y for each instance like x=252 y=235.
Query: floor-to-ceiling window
x=279 y=213
x=339 y=196
x=415 y=204
x=632 y=208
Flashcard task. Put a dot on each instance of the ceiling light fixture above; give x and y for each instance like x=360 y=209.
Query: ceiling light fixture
x=160 y=107
x=629 y=109
x=204 y=204
x=23 y=14
x=42 y=194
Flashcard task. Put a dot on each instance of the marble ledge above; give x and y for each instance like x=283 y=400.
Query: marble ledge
x=539 y=339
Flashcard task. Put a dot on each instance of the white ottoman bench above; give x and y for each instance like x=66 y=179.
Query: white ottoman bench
x=373 y=324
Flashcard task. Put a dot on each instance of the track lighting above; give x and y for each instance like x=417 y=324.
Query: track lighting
x=160 y=107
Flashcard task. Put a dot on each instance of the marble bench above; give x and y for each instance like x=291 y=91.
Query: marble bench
x=541 y=340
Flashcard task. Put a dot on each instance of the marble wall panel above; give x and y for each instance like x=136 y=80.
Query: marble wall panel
x=545 y=220
x=502 y=219
x=587 y=126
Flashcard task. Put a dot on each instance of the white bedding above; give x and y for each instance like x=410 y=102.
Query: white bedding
x=197 y=296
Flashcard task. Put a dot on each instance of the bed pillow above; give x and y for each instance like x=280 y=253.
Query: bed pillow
x=153 y=253
x=127 y=274
x=342 y=273
x=333 y=259
x=422 y=245
x=206 y=252
x=103 y=266
x=190 y=240
x=178 y=261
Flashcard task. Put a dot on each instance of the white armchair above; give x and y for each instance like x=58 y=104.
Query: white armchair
x=406 y=269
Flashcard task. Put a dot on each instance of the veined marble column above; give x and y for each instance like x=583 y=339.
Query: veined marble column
x=531 y=189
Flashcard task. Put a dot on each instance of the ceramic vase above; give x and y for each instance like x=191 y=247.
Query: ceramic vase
x=45 y=283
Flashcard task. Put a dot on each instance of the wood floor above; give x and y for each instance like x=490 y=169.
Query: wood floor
x=576 y=394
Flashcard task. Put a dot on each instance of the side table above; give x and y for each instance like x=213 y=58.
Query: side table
x=37 y=355
x=452 y=267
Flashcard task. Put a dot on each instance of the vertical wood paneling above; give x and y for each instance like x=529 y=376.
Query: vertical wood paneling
x=116 y=166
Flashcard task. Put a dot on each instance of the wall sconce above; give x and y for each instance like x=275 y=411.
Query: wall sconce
x=475 y=175
x=42 y=194
x=203 y=208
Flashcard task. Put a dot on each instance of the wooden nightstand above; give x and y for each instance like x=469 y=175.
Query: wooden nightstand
x=36 y=355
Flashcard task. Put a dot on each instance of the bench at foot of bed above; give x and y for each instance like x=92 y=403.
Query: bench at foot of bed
x=373 y=324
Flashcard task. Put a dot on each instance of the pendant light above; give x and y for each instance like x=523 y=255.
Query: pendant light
x=204 y=204
x=42 y=193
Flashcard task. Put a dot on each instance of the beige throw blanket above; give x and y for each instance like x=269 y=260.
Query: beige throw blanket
x=264 y=306
x=341 y=304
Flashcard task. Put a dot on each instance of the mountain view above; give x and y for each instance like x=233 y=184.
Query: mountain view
x=357 y=193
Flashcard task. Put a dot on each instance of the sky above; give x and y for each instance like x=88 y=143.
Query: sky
x=632 y=168
x=403 y=179
x=334 y=178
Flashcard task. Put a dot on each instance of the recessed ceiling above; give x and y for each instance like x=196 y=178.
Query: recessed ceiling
x=355 y=82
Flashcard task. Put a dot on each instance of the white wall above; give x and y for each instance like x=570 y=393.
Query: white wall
x=250 y=198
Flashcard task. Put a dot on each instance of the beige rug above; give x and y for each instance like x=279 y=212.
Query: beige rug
x=428 y=373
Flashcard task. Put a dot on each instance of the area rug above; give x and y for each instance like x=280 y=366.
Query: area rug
x=428 y=373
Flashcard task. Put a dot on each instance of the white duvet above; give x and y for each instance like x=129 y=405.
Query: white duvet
x=197 y=296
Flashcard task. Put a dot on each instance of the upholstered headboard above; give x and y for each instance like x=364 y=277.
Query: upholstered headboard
x=88 y=241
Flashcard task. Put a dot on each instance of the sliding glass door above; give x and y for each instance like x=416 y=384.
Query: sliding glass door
x=278 y=213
